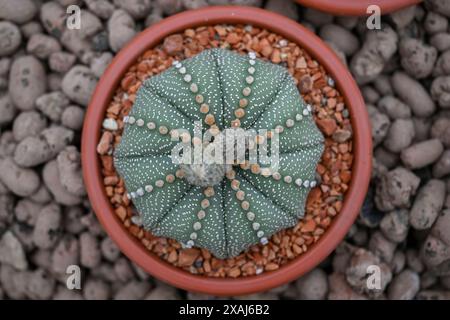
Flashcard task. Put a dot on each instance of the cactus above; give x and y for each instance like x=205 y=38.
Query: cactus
x=223 y=208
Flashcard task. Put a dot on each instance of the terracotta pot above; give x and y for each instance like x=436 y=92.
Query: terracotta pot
x=131 y=246
x=356 y=7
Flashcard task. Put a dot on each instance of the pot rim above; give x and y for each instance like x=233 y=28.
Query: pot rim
x=356 y=7
x=131 y=246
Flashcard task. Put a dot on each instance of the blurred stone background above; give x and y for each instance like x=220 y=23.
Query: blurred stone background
x=47 y=74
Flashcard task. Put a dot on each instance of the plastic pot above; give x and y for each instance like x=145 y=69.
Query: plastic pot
x=131 y=246
x=356 y=7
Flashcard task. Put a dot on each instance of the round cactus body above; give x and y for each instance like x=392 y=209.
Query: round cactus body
x=223 y=207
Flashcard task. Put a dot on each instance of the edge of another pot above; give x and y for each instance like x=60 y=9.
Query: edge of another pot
x=356 y=7
x=151 y=263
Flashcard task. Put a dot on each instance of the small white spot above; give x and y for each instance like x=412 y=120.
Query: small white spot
x=309 y=107
x=151 y=125
x=250 y=216
x=133 y=195
x=298 y=117
x=255 y=226
x=289 y=123
x=131 y=120
x=159 y=183
x=299 y=182
x=287 y=179
x=182 y=70
x=252 y=62
x=140 y=122
x=305 y=112
x=313 y=184
x=201 y=214
x=246 y=91
x=306 y=183
x=260 y=233
x=251 y=70
x=189 y=244
x=148 y=188
x=187 y=78
x=252 y=55
x=125 y=119
x=264 y=241
x=197 y=226
x=140 y=192
x=249 y=79
x=193 y=235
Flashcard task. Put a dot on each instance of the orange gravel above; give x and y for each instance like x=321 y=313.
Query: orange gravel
x=324 y=202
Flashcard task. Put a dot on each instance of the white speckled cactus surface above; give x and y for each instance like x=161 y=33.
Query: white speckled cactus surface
x=224 y=209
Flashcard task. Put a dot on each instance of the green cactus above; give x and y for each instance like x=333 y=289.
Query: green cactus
x=223 y=208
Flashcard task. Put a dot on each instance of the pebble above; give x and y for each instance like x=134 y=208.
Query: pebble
x=434 y=250
x=427 y=204
x=28 y=123
x=96 y=289
x=395 y=189
x=35 y=150
x=72 y=117
x=413 y=261
x=163 y=292
x=341 y=135
x=327 y=126
x=18 y=11
x=138 y=9
x=174 y=44
x=121 y=28
x=105 y=143
x=395 y=225
x=66 y=253
x=440 y=91
x=404 y=286
x=133 y=290
x=442 y=167
x=90 y=254
x=109 y=250
x=379 y=46
x=47 y=229
x=380 y=124
x=27 y=81
x=382 y=247
x=341 y=290
x=286 y=8
x=21 y=181
x=394 y=108
x=52 y=105
x=53 y=18
x=110 y=124
x=30 y=28
x=42 y=46
x=413 y=94
x=70 y=174
x=435 y=23
x=313 y=285
x=27 y=211
x=356 y=272
x=7 y=109
x=40 y=285
x=91 y=24
x=441 y=6
x=188 y=256
x=61 y=61
x=10 y=38
x=417 y=58
x=79 y=84
x=400 y=135
x=12 y=252
x=344 y=40
x=13 y=282
x=99 y=63
x=422 y=154
x=440 y=129
x=101 y=8
x=51 y=177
